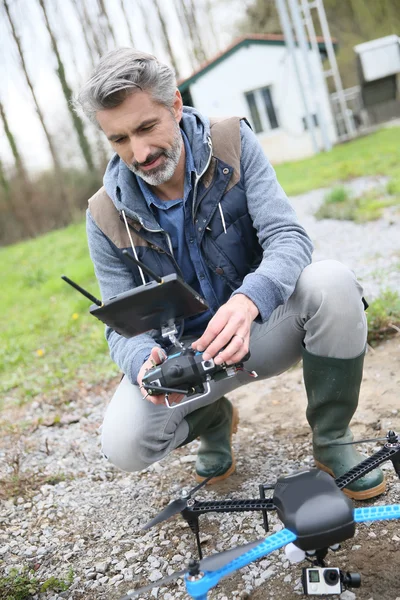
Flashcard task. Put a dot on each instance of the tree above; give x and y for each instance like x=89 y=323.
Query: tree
x=77 y=122
x=188 y=18
x=147 y=29
x=83 y=21
x=211 y=26
x=105 y=17
x=199 y=50
x=53 y=151
x=261 y=16
x=23 y=178
x=128 y=26
x=165 y=37
x=4 y=183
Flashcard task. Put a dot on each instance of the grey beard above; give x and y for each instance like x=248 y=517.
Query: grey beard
x=164 y=172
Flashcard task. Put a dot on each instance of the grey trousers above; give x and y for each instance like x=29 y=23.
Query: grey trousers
x=325 y=313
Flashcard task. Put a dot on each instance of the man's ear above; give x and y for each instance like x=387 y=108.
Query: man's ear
x=178 y=106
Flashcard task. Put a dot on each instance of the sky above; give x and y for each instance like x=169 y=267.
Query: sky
x=41 y=64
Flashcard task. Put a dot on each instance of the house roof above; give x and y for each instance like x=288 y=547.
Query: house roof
x=270 y=39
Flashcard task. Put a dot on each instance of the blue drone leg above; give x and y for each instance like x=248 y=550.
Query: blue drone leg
x=199 y=589
x=377 y=513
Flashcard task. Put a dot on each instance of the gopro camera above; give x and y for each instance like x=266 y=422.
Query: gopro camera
x=321 y=581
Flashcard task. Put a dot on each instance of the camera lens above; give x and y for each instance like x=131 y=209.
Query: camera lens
x=207 y=364
x=331 y=576
x=352 y=580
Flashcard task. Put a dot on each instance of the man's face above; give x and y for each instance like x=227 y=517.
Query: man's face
x=146 y=135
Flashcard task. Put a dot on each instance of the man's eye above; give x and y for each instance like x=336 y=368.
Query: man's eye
x=148 y=128
x=119 y=140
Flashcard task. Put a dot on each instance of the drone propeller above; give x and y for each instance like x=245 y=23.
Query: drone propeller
x=158 y=583
x=214 y=562
x=178 y=505
x=391 y=437
x=175 y=507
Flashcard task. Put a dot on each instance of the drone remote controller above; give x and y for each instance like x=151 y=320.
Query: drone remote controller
x=187 y=373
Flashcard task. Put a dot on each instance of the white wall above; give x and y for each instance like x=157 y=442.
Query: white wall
x=220 y=92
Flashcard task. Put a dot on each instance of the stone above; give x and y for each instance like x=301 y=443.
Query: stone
x=102 y=567
x=121 y=565
x=347 y=595
x=130 y=555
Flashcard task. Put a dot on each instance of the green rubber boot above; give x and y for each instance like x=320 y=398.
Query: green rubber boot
x=214 y=425
x=333 y=387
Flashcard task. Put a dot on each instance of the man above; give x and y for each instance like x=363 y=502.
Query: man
x=198 y=198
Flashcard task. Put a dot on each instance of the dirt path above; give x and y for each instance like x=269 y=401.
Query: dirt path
x=284 y=398
x=87 y=516
x=278 y=407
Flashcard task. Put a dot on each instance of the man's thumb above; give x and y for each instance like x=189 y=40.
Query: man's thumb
x=158 y=355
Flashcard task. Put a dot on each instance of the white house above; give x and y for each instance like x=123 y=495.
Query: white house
x=255 y=78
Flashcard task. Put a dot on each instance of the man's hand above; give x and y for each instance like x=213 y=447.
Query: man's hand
x=156 y=357
x=230 y=327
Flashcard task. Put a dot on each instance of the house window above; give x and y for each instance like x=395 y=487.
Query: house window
x=315 y=121
x=255 y=116
x=262 y=110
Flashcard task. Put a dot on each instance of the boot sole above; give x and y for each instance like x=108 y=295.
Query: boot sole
x=234 y=428
x=363 y=495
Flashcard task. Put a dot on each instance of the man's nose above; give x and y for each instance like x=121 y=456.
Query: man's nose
x=140 y=150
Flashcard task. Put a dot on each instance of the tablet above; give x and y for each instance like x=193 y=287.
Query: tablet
x=150 y=306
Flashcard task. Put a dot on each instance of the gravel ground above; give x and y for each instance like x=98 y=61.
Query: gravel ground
x=88 y=515
x=371 y=249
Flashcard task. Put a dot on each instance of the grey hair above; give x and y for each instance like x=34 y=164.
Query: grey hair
x=118 y=74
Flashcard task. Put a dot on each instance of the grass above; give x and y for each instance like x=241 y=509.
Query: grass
x=23 y=585
x=49 y=344
x=383 y=316
x=48 y=341
x=340 y=204
x=375 y=154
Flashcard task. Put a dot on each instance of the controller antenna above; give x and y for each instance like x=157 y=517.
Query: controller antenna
x=82 y=291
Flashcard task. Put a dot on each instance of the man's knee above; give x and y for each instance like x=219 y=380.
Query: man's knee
x=135 y=447
x=329 y=284
x=124 y=449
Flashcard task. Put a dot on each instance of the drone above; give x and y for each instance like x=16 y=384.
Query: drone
x=316 y=514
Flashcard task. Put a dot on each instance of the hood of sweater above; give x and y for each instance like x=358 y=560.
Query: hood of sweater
x=122 y=186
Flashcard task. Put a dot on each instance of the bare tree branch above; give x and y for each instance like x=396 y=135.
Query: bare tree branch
x=199 y=50
x=128 y=25
x=165 y=36
x=39 y=112
x=83 y=142
x=27 y=190
x=104 y=16
x=145 y=17
x=81 y=18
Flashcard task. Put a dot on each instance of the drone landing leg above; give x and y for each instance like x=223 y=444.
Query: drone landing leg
x=261 y=489
x=199 y=550
x=396 y=464
x=193 y=522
